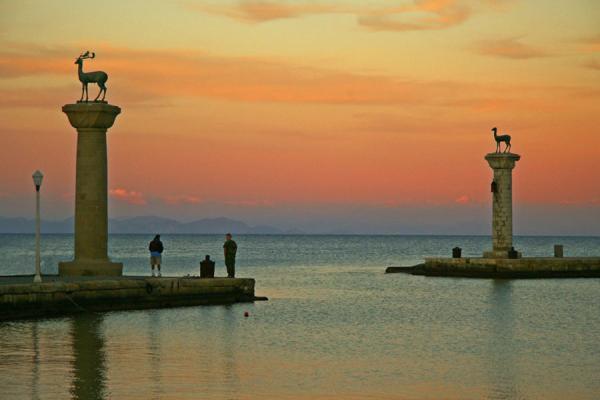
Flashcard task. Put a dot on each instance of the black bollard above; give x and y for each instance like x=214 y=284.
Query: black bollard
x=456 y=252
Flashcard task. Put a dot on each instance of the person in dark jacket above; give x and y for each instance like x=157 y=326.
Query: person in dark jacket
x=229 y=250
x=207 y=268
x=156 y=249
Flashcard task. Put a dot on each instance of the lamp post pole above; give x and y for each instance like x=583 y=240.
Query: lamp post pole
x=37 y=181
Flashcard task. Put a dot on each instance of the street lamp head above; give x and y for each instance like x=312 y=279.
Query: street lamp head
x=37 y=179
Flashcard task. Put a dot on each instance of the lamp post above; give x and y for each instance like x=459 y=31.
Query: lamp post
x=37 y=181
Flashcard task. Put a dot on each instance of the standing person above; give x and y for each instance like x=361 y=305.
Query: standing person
x=156 y=249
x=229 y=250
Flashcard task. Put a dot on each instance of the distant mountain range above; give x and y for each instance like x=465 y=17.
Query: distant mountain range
x=148 y=225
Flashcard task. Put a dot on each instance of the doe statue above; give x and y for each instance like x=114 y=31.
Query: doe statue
x=501 y=138
x=99 y=77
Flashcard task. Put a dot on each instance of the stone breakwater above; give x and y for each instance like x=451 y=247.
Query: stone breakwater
x=19 y=298
x=504 y=268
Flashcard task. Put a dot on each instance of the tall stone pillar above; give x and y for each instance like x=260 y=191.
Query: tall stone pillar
x=502 y=164
x=91 y=191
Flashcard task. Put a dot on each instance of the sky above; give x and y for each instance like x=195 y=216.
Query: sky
x=323 y=115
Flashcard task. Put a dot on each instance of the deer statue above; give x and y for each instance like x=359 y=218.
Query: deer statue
x=501 y=138
x=99 y=77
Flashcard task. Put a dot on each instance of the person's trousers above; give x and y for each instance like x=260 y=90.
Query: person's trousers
x=230 y=264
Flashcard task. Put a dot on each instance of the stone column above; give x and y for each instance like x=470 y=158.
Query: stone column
x=502 y=164
x=91 y=191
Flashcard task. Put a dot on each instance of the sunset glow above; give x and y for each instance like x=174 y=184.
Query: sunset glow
x=280 y=106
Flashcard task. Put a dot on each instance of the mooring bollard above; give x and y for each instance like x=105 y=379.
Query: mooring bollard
x=207 y=268
x=558 y=250
x=456 y=252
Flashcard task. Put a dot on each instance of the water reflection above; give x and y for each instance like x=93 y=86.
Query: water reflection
x=35 y=373
x=229 y=343
x=154 y=345
x=89 y=367
x=501 y=326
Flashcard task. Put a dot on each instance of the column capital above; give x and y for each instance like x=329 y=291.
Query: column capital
x=91 y=115
x=502 y=160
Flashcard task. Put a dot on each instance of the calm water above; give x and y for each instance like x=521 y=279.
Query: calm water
x=335 y=327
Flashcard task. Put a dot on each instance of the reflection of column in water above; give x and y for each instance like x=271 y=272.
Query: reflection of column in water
x=501 y=349
x=154 y=330
x=229 y=336
x=88 y=365
x=35 y=374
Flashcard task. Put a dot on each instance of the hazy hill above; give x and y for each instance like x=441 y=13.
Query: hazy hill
x=147 y=224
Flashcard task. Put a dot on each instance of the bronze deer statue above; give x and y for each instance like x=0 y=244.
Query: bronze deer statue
x=99 y=77
x=501 y=138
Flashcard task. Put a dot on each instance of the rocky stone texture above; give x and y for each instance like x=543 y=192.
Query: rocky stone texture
x=502 y=164
x=91 y=191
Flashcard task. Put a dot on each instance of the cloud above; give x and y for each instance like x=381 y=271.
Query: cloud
x=422 y=15
x=593 y=64
x=508 y=48
x=181 y=199
x=26 y=59
x=418 y=15
x=196 y=74
x=128 y=196
x=590 y=44
x=262 y=11
x=499 y=4
x=464 y=199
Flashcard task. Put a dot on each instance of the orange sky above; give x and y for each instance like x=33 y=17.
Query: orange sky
x=257 y=105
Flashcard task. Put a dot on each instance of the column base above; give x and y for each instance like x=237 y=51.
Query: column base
x=499 y=254
x=90 y=268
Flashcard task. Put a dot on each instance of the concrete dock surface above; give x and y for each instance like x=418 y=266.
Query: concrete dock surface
x=506 y=268
x=56 y=295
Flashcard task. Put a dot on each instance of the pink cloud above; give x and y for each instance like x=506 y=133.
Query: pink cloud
x=128 y=196
x=262 y=11
x=420 y=15
x=508 y=48
x=181 y=199
x=464 y=199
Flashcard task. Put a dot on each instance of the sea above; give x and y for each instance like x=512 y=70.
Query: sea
x=335 y=326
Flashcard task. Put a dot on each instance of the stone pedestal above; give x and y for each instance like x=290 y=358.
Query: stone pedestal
x=91 y=215
x=502 y=164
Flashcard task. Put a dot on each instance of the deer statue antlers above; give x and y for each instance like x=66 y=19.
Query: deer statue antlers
x=98 y=77
x=85 y=55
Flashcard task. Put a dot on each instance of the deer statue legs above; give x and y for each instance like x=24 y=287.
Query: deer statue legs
x=506 y=145
x=102 y=91
x=84 y=91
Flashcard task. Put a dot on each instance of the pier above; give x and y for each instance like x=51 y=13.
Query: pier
x=506 y=268
x=55 y=296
